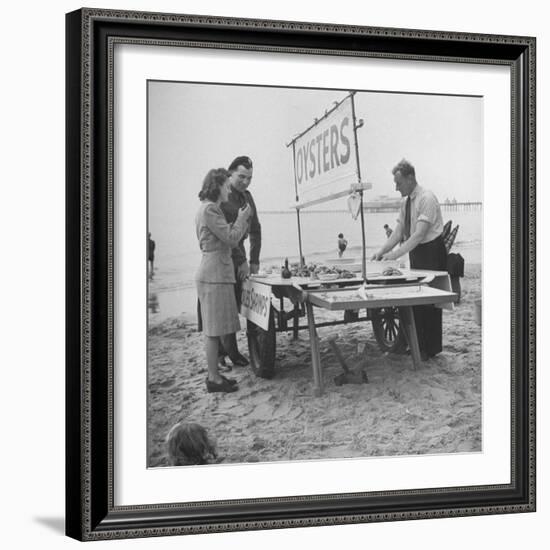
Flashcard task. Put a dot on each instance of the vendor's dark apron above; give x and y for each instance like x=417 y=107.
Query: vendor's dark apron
x=428 y=319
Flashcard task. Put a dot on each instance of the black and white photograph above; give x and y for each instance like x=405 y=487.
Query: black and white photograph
x=289 y=403
x=314 y=273
x=300 y=274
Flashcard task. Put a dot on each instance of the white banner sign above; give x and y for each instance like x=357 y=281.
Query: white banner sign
x=325 y=161
x=256 y=303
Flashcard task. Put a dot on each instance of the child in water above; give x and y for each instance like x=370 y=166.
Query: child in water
x=342 y=244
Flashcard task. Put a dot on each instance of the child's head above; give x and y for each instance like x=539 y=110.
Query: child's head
x=188 y=443
x=340 y=235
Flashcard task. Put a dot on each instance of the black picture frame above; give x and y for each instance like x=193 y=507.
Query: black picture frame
x=90 y=512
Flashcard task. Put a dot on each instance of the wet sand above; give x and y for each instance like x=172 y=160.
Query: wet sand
x=435 y=409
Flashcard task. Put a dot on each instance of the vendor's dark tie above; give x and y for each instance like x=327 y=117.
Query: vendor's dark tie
x=407 y=228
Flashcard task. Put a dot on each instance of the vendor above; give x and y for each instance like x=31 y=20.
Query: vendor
x=419 y=227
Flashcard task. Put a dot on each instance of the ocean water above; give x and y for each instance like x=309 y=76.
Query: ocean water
x=177 y=255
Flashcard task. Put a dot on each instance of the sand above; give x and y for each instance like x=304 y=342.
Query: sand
x=435 y=409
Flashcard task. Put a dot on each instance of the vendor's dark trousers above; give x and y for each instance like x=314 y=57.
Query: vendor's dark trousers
x=428 y=319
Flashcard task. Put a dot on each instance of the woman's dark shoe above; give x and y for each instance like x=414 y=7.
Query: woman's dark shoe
x=223 y=386
x=239 y=360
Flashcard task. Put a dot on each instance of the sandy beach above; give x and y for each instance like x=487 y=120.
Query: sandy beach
x=436 y=409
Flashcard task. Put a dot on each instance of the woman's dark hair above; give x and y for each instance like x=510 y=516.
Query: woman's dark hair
x=340 y=235
x=212 y=183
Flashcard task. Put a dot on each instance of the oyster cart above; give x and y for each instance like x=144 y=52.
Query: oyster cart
x=326 y=167
x=387 y=304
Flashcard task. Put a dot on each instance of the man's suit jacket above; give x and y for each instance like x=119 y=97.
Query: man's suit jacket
x=230 y=209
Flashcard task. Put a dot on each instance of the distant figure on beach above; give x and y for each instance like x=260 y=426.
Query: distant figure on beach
x=151 y=254
x=388 y=230
x=153 y=302
x=188 y=443
x=240 y=176
x=419 y=226
x=215 y=278
x=342 y=244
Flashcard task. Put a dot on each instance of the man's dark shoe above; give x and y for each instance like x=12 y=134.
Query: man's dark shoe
x=222 y=365
x=239 y=360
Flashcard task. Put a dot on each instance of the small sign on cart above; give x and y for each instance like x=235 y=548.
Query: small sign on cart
x=256 y=303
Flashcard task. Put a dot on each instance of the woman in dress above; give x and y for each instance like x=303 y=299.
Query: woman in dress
x=215 y=278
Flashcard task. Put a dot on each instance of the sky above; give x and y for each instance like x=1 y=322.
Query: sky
x=194 y=127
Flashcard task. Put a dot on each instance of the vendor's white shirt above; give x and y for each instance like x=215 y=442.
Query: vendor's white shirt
x=424 y=207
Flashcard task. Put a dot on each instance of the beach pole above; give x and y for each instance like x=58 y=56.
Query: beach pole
x=297 y=209
x=300 y=237
x=363 y=243
x=363 y=239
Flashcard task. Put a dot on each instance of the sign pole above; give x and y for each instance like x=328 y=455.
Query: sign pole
x=297 y=209
x=363 y=240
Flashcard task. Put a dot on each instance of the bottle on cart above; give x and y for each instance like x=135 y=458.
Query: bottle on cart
x=285 y=272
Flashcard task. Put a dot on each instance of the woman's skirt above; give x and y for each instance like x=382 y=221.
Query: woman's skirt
x=218 y=308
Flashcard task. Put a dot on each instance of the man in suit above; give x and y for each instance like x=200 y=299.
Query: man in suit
x=419 y=228
x=240 y=177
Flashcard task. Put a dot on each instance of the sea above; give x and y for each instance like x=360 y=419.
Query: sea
x=171 y=290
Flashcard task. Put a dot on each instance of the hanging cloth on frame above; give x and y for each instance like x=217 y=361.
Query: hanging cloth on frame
x=354 y=204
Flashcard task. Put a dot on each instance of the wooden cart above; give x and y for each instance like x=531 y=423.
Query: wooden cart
x=389 y=299
x=387 y=305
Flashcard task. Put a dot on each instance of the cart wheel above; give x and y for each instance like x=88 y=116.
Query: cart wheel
x=386 y=324
x=261 y=347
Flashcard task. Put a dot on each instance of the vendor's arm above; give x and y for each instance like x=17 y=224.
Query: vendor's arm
x=393 y=240
x=411 y=243
x=428 y=209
